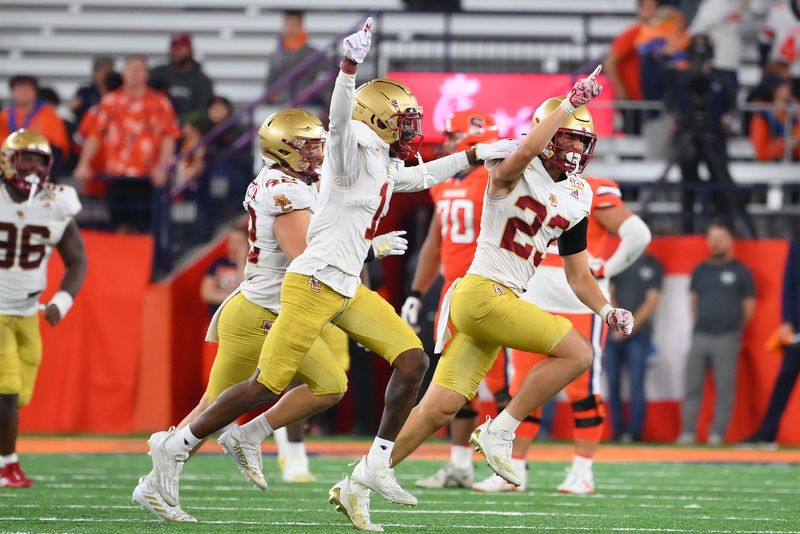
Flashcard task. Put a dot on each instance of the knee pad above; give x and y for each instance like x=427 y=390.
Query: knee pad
x=588 y=412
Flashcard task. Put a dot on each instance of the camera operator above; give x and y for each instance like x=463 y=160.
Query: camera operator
x=699 y=102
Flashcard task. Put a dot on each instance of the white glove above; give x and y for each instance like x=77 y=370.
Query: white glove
x=498 y=150
x=410 y=311
x=356 y=46
x=582 y=92
x=618 y=319
x=390 y=244
x=598 y=267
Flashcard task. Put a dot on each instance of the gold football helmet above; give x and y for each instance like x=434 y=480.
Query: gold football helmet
x=26 y=160
x=391 y=110
x=560 y=149
x=293 y=139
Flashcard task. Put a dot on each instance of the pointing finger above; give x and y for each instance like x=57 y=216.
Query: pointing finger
x=596 y=72
x=367 y=25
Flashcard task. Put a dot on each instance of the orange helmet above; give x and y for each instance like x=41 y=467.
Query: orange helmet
x=465 y=129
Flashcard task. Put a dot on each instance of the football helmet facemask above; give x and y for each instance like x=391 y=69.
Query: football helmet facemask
x=567 y=155
x=391 y=110
x=293 y=139
x=25 y=161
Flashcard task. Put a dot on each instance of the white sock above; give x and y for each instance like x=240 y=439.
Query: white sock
x=504 y=422
x=8 y=459
x=461 y=457
x=257 y=429
x=582 y=465
x=295 y=449
x=518 y=464
x=182 y=441
x=281 y=439
x=381 y=452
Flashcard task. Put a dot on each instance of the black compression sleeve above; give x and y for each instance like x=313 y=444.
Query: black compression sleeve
x=573 y=240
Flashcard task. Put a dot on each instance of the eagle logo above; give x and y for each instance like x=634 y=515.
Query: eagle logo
x=283 y=203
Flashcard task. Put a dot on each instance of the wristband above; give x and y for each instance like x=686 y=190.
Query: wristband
x=605 y=310
x=63 y=301
x=416 y=294
x=348 y=66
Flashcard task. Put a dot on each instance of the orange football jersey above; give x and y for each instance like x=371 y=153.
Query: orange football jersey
x=459 y=204
x=599 y=242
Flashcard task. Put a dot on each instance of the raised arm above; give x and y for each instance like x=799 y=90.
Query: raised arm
x=505 y=175
x=342 y=153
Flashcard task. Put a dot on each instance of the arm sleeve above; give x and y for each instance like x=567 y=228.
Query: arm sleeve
x=342 y=145
x=425 y=176
x=573 y=240
x=791 y=285
x=634 y=237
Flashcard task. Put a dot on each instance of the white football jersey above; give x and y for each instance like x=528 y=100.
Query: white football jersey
x=358 y=179
x=517 y=229
x=270 y=195
x=28 y=233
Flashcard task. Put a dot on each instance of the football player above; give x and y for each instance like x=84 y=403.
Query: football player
x=526 y=207
x=550 y=290
x=450 y=244
x=372 y=131
x=280 y=202
x=35 y=216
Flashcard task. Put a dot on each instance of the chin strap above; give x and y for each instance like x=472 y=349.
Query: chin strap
x=34 y=180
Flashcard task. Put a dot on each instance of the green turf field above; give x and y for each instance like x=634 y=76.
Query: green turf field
x=91 y=493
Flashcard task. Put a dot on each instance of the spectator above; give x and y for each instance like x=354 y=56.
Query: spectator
x=192 y=160
x=137 y=128
x=219 y=110
x=768 y=128
x=183 y=79
x=293 y=48
x=637 y=288
x=89 y=95
x=95 y=187
x=622 y=64
x=661 y=46
x=227 y=272
x=778 y=38
x=721 y=21
x=237 y=166
x=722 y=303
x=699 y=102
x=28 y=110
x=787 y=337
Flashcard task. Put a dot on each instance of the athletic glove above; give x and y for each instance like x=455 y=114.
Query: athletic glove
x=390 y=244
x=598 y=268
x=356 y=46
x=411 y=310
x=618 y=319
x=498 y=150
x=582 y=92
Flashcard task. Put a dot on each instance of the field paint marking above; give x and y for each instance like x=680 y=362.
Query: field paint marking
x=406 y=525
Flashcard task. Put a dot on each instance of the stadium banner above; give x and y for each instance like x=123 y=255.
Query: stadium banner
x=90 y=366
x=510 y=99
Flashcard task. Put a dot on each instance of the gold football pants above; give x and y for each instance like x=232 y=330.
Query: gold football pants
x=307 y=305
x=242 y=328
x=20 y=356
x=486 y=316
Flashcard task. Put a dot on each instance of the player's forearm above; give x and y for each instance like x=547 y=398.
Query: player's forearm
x=73 y=254
x=533 y=145
x=585 y=287
x=634 y=238
x=426 y=175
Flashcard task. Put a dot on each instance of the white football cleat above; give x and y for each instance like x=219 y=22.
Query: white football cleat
x=146 y=495
x=449 y=476
x=577 y=484
x=496 y=484
x=381 y=480
x=167 y=466
x=496 y=447
x=352 y=500
x=295 y=470
x=247 y=455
